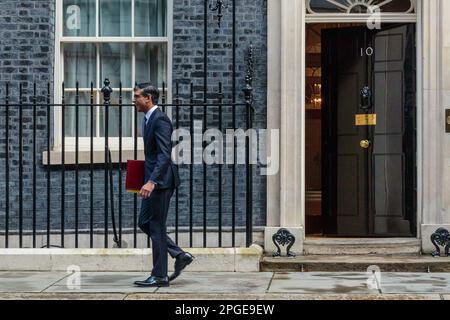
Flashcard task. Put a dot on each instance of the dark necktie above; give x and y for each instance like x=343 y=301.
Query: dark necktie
x=144 y=124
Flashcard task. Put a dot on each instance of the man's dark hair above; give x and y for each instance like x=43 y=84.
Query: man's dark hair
x=149 y=91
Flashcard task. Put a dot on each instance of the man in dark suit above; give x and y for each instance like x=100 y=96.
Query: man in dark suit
x=161 y=178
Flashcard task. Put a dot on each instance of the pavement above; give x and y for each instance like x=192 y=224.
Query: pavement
x=228 y=286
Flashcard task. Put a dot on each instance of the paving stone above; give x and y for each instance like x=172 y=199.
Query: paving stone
x=314 y=287
x=112 y=279
x=316 y=283
x=100 y=289
x=320 y=276
x=413 y=288
x=415 y=283
x=103 y=282
x=28 y=281
x=213 y=282
x=63 y=296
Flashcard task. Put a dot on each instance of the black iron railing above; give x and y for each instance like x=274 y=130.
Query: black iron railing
x=24 y=128
x=70 y=200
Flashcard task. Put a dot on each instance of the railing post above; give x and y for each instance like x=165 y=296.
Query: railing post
x=120 y=163
x=20 y=165
x=63 y=159
x=34 y=164
x=48 y=166
x=177 y=195
x=106 y=91
x=91 y=169
x=248 y=94
x=135 y=158
x=77 y=146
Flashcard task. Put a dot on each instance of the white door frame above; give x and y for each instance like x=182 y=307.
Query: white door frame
x=286 y=98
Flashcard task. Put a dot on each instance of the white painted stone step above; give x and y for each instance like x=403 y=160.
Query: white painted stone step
x=356 y=263
x=362 y=246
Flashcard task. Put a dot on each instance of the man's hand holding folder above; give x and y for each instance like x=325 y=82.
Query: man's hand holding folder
x=134 y=181
x=147 y=190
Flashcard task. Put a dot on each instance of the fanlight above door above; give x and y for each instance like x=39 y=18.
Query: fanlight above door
x=360 y=6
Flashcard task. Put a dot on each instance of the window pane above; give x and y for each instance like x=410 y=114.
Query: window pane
x=115 y=18
x=151 y=63
x=140 y=119
x=115 y=63
x=84 y=114
x=150 y=18
x=113 y=118
x=79 y=18
x=79 y=65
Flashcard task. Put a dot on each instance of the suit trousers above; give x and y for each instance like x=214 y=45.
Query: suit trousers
x=152 y=221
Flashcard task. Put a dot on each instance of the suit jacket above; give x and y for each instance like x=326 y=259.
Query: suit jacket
x=159 y=166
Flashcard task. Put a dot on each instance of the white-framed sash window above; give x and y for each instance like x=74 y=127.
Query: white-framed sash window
x=126 y=41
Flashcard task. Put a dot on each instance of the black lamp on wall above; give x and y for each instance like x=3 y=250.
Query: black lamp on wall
x=219 y=6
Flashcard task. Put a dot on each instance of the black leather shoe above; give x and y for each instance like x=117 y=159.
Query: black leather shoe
x=153 y=282
x=181 y=262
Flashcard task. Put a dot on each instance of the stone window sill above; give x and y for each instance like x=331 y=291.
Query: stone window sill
x=84 y=157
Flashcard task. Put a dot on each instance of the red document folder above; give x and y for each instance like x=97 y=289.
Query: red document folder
x=135 y=176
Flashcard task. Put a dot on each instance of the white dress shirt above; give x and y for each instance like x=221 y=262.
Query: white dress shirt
x=147 y=116
x=149 y=113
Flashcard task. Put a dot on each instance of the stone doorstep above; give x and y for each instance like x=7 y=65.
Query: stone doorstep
x=360 y=250
x=139 y=260
x=361 y=241
x=353 y=263
x=358 y=246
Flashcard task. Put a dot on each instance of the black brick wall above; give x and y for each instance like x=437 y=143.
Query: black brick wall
x=188 y=52
x=27 y=56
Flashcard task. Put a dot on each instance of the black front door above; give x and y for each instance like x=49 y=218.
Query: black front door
x=369 y=131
